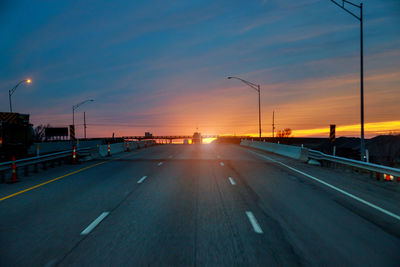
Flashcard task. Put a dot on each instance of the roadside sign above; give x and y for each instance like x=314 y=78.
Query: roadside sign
x=72 y=132
x=332 y=136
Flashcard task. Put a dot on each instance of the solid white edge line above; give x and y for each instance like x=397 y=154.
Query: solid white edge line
x=159 y=164
x=395 y=216
x=254 y=223
x=141 y=179
x=231 y=180
x=221 y=163
x=94 y=223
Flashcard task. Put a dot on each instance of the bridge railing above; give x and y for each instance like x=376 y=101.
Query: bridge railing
x=379 y=171
x=26 y=162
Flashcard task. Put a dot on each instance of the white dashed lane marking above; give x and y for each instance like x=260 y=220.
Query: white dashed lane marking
x=254 y=223
x=95 y=223
x=221 y=163
x=141 y=179
x=231 y=180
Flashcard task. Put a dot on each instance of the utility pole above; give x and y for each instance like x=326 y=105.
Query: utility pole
x=273 y=123
x=84 y=123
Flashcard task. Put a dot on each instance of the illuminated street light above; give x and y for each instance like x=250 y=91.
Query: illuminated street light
x=257 y=88
x=75 y=107
x=11 y=92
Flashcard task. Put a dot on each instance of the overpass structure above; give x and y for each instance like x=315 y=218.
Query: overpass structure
x=196 y=137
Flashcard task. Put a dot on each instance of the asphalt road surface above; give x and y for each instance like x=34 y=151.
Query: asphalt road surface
x=198 y=205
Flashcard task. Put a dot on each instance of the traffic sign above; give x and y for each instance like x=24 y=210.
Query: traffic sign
x=332 y=136
x=72 y=132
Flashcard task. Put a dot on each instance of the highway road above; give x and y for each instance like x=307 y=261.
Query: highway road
x=197 y=205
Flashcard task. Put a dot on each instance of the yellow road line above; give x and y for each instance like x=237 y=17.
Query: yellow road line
x=58 y=178
x=50 y=181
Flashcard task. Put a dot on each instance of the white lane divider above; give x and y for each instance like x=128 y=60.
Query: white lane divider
x=141 y=179
x=221 y=163
x=159 y=164
x=391 y=214
x=254 y=223
x=231 y=180
x=94 y=223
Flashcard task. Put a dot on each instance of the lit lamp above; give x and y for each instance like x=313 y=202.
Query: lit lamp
x=11 y=92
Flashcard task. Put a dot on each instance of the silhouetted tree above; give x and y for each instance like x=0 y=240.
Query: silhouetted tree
x=287 y=132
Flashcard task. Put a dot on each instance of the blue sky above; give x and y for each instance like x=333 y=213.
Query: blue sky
x=161 y=67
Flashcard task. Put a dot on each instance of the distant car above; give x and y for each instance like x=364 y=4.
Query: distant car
x=197 y=138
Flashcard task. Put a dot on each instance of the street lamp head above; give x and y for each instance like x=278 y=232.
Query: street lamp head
x=28 y=80
x=229 y=77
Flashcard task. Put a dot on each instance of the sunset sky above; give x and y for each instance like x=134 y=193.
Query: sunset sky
x=161 y=66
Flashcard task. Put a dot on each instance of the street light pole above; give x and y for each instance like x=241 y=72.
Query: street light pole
x=258 y=89
x=259 y=110
x=75 y=107
x=11 y=92
x=84 y=123
x=360 y=18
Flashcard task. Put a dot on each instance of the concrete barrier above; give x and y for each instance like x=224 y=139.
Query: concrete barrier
x=121 y=147
x=294 y=152
x=51 y=147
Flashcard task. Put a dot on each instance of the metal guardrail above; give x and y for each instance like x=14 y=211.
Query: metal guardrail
x=317 y=155
x=39 y=159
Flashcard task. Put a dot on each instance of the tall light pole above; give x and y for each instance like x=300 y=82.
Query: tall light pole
x=75 y=107
x=360 y=18
x=257 y=88
x=11 y=92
